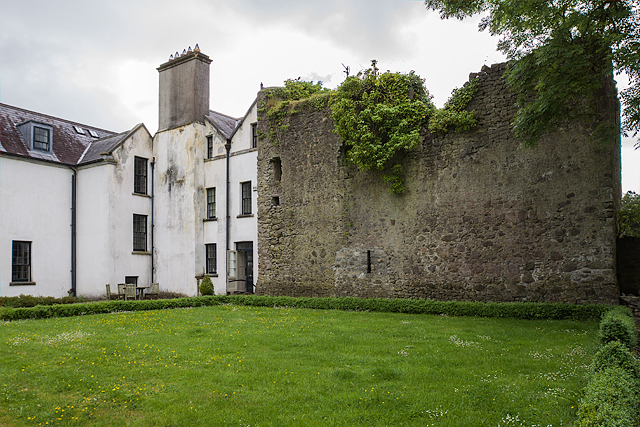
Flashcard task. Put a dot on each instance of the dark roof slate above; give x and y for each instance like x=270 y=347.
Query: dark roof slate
x=68 y=146
x=225 y=124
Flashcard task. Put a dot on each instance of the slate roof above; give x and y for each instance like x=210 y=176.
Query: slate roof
x=68 y=146
x=225 y=124
x=95 y=149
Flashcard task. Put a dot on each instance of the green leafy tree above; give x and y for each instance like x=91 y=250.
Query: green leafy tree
x=629 y=215
x=565 y=51
x=378 y=115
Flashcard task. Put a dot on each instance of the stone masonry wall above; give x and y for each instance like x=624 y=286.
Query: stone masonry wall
x=480 y=220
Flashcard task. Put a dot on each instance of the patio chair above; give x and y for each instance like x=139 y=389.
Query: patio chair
x=154 y=290
x=121 y=290
x=109 y=296
x=129 y=291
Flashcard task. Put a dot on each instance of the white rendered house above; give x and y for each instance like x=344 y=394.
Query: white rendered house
x=205 y=194
x=81 y=207
x=70 y=194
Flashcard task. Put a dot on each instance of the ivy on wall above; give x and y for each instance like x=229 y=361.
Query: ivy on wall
x=377 y=115
x=454 y=114
x=279 y=102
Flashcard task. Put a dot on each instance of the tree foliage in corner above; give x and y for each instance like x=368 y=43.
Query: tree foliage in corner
x=629 y=215
x=564 y=51
x=378 y=115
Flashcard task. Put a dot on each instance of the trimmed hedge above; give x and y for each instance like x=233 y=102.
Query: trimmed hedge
x=611 y=400
x=618 y=325
x=616 y=355
x=31 y=301
x=612 y=394
x=413 y=306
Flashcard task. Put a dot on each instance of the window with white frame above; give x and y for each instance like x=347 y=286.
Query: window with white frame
x=211 y=255
x=139 y=233
x=209 y=147
x=211 y=203
x=140 y=175
x=21 y=261
x=246 y=198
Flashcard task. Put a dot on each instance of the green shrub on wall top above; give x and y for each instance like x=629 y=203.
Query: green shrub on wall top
x=454 y=114
x=278 y=103
x=378 y=115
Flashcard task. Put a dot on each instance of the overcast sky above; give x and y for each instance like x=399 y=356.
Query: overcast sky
x=94 y=62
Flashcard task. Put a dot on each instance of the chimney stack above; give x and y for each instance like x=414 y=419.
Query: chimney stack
x=184 y=89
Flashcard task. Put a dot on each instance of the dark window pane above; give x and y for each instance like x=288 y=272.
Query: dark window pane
x=139 y=232
x=140 y=176
x=211 y=258
x=254 y=135
x=246 y=198
x=209 y=147
x=21 y=262
x=211 y=203
x=41 y=138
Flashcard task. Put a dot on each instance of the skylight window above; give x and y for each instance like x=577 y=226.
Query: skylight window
x=93 y=133
x=79 y=130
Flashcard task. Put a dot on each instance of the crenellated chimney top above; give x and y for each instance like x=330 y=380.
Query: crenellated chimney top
x=184 y=89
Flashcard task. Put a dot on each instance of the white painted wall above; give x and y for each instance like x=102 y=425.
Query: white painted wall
x=106 y=204
x=180 y=200
x=35 y=206
x=242 y=168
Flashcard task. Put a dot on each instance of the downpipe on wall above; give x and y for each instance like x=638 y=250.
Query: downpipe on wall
x=153 y=165
x=74 y=182
x=227 y=146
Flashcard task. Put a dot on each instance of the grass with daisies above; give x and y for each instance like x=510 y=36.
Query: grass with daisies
x=254 y=366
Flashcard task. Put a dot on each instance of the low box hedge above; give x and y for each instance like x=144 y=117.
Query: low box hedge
x=414 y=306
x=618 y=325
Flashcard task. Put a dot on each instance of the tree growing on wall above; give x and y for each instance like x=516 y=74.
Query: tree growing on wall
x=564 y=50
x=378 y=115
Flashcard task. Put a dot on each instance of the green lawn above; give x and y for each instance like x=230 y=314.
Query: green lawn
x=253 y=366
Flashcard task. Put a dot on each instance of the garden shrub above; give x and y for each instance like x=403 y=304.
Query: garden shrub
x=206 y=287
x=618 y=325
x=610 y=399
x=615 y=354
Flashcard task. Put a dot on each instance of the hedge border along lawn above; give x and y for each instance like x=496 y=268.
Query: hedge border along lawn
x=612 y=395
x=519 y=310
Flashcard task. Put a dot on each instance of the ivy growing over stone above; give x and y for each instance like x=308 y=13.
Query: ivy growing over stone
x=454 y=114
x=279 y=102
x=378 y=115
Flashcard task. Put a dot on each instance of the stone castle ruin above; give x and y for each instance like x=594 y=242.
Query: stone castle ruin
x=480 y=220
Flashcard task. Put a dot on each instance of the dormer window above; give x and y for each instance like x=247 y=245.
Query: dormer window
x=37 y=136
x=41 y=138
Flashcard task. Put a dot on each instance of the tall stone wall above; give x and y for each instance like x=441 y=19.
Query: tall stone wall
x=480 y=220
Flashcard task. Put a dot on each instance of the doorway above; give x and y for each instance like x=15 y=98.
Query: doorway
x=240 y=268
